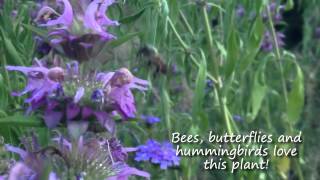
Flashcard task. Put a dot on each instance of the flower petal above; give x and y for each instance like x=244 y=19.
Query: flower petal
x=52 y=118
x=72 y=111
x=64 y=19
x=91 y=22
x=79 y=94
x=23 y=154
x=106 y=121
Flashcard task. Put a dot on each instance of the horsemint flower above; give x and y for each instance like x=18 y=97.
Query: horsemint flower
x=158 y=153
x=65 y=93
x=78 y=32
x=87 y=157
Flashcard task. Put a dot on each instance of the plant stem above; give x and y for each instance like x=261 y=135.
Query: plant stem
x=284 y=87
x=221 y=99
x=278 y=55
x=186 y=23
x=187 y=49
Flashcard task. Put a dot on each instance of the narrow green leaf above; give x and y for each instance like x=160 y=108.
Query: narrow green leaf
x=258 y=93
x=11 y=50
x=36 y=30
x=253 y=45
x=132 y=18
x=123 y=39
x=199 y=93
x=21 y=120
x=296 y=97
x=233 y=47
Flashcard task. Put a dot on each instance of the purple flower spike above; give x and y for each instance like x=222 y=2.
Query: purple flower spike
x=95 y=18
x=64 y=19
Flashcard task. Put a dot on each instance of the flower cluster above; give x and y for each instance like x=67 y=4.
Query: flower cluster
x=79 y=30
x=88 y=157
x=66 y=94
x=158 y=153
x=276 y=12
x=267 y=43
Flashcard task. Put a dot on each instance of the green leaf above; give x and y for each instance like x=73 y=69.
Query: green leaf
x=253 y=45
x=36 y=30
x=21 y=120
x=132 y=18
x=165 y=107
x=296 y=97
x=258 y=93
x=123 y=39
x=233 y=47
x=199 y=93
x=11 y=50
x=289 y=5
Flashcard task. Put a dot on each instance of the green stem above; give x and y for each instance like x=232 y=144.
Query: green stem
x=221 y=99
x=186 y=23
x=186 y=48
x=278 y=55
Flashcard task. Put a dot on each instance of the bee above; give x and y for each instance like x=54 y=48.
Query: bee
x=153 y=58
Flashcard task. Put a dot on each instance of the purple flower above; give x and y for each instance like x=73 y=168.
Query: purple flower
x=240 y=11
x=150 y=119
x=31 y=165
x=121 y=82
x=66 y=94
x=158 y=153
x=41 y=81
x=267 y=43
x=95 y=18
x=276 y=12
x=237 y=118
x=65 y=19
x=80 y=31
x=99 y=159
